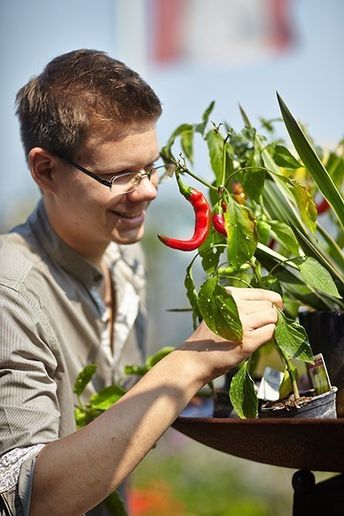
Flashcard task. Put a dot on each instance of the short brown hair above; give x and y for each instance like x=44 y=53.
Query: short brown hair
x=75 y=90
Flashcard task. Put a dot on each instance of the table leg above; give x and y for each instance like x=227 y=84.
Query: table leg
x=311 y=499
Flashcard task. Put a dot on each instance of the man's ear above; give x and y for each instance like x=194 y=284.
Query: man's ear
x=43 y=167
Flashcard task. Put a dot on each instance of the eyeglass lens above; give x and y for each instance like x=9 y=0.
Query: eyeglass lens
x=126 y=183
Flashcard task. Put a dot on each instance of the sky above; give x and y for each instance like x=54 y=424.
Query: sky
x=309 y=76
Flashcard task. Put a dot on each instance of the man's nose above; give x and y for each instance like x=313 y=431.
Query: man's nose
x=146 y=190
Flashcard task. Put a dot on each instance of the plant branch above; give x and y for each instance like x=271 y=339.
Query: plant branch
x=200 y=179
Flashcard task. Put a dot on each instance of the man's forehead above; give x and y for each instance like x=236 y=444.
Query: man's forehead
x=132 y=141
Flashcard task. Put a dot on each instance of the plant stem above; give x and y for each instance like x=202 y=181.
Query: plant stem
x=237 y=279
x=200 y=179
x=292 y=378
x=224 y=160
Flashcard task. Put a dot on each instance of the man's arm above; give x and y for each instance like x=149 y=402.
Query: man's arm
x=75 y=473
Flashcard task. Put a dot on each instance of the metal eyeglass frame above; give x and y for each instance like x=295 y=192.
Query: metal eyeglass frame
x=141 y=174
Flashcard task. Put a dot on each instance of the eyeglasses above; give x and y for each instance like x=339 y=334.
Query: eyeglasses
x=126 y=182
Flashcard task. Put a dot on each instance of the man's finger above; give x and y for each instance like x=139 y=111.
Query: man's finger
x=256 y=294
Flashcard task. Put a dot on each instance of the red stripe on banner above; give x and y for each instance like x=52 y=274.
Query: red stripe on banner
x=166 y=37
x=282 y=34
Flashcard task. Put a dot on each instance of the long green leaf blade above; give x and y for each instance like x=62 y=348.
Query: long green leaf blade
x=334 y=250
x=313 y=164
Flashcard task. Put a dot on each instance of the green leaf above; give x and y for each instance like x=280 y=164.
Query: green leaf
x=83 y=378
x=200 y=128
x=254 y=178
x=219 y=310
x=316 y=276
x=263 y=230
x=105 y=398
x=209 y=253
x=244 y=116
x=192 y=295
x=80 y=416
x=85 y=416
x=286 y=387
x=268 y=282
x=305 y=203
x=141 y=370
x=335 y=167
x=133 y=369
x=242 y=235
x=284 y=158
x=284 y=234
x=166 y=152
x=242 y=394
x=333 y=246
x=215 y=147
x=315 y=251
x=156 y=357
x=186 y=140
x=292 y=339
x=313 y=164
x=285 y=271
x=279 y=208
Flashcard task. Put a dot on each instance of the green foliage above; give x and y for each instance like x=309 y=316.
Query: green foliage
x=215 y=148
x=83 y=378
x=292 y=339
x=242 y=235
x=192 y=295
x=138 y=370
x=316 y=276
x=274 y=240
x=312 y=163
x=219 y=310
x=242 y=393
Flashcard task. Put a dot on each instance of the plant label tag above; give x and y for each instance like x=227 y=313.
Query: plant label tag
x=269 y=386
x=319 y=375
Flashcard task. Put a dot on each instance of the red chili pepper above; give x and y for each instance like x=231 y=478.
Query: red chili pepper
x=323 y=206
x=219 y=220
x=202 y=220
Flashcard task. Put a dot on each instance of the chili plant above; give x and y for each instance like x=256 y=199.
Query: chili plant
x=264 y=233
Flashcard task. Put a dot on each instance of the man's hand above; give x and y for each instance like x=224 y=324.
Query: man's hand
x=258 y=315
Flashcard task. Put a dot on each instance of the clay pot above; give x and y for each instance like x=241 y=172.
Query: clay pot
x=325 y=331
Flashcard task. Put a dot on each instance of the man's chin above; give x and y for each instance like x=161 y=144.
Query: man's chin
x=128 y=237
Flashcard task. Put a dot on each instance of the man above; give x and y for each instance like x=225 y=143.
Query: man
x=72 y=292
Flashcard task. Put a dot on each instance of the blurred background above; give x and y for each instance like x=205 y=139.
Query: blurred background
x=191 y=52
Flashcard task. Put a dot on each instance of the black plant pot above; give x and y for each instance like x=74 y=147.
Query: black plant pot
x=322 y=406
x=325 y=331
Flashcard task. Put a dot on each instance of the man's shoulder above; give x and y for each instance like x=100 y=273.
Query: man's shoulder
x=17 y=260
